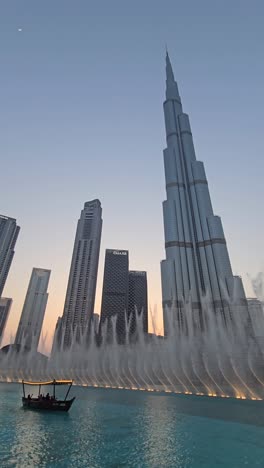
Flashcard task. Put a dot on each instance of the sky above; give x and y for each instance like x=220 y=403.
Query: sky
x=81 y=117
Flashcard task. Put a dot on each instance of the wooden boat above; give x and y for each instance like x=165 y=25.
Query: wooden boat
x=48 y=402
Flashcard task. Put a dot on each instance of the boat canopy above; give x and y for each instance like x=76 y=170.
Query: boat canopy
x=49 y=382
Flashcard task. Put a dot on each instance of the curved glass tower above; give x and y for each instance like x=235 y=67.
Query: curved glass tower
x=197 y=263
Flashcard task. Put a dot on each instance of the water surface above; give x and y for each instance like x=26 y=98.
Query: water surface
x=121 y=428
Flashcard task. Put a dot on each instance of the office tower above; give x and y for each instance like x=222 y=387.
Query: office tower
x=8 y=236
x=5 y=305
x=115 y=294
x=197 y=260
x=137 y=300
x=80 y=296
x=30 y=324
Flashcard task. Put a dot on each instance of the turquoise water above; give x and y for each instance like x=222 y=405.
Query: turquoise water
x=121 y=428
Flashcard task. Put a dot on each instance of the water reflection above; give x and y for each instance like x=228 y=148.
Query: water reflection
x=167 y=441
x=119 y=428
x=32 y=440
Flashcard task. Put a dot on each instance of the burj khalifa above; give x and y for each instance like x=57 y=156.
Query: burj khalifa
x=197 y=266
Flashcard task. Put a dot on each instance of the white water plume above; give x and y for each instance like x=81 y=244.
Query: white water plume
x=223 y=359
x=258 y=285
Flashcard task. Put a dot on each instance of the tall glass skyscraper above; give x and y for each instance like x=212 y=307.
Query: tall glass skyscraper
x=31 y=320
x=5 y=305
x=8 y=237
x=115 y=293
x=137 y=300
x=197 y=261
x=124 y=295
x=80 y=295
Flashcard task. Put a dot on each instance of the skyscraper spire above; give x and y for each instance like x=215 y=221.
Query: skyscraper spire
x=169 y=71
x=171 y=85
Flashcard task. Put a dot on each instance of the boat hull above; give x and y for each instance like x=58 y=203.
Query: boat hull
x=47 y=405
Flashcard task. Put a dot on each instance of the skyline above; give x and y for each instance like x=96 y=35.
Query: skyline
x=219 y=132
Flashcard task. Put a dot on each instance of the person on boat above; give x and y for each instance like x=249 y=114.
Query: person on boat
x=29 y=397
x=48 y=396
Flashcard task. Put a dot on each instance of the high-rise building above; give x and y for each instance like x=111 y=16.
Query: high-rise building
x=115 y=293
x=8 y=236
x=137 y=300
x=197 y=261
x=31 y=320
x=5 y=305
x=80 y=296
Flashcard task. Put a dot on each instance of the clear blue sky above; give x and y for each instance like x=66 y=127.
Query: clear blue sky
x=81 y=117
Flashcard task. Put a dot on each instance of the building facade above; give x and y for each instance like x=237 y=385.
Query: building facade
x=8 y=237
x=5 y=306
x=137 y=301
x=31 y=320
x=197 y=262
x=80 y=296
x=115 y=295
